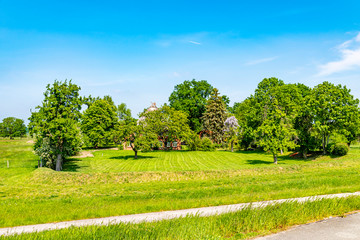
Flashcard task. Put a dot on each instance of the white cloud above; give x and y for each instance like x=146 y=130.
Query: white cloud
x=262 y=60
x=349 y=58
x=193 y=42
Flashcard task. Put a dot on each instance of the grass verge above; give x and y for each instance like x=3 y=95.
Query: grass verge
x=247 y=223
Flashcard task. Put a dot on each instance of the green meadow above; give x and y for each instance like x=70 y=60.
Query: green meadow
x=114 y=183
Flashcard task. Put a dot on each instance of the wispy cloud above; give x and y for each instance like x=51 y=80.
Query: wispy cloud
x=193 y=42
x=349 y=58
x=262 y=60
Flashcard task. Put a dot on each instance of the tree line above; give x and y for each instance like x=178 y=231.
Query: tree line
x=276 y=118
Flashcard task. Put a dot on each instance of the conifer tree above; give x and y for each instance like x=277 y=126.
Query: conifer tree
x=215 y=116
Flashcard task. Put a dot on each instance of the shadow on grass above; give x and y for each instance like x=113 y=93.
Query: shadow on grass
x=71 y=165
x=131 y=157
x=254 y=162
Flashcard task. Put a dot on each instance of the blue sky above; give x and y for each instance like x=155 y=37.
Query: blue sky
x=137 y=51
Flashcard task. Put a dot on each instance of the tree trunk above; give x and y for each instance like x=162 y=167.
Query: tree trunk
x=135 y=154
x=281 y=152
x=275 y=159
x=324 y=145
x=304 y=153
x=58 y=163
x=232 y=146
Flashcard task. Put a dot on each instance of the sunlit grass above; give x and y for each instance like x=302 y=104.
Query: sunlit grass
x=243 y=224
x=113 y=183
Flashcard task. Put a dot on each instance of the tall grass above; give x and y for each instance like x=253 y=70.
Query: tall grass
x=243 y=224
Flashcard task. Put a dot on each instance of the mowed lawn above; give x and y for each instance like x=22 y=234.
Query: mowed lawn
x=124 y=161
x=114 y=183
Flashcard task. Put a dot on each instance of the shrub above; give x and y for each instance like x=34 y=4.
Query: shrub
x=340 y=149
x=194 y=143
x=200 y=144
x=207 y=145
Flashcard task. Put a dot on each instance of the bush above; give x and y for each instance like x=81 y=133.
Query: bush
x=200 y=144
x=340 y=149
x=207 y=145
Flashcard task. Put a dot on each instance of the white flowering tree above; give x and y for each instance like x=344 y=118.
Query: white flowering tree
x=231 y=129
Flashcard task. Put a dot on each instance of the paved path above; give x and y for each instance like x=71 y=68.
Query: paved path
x=156 y=216
x=328 y=229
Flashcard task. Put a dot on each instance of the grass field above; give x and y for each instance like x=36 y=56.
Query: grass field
x=113 y=183
x=247 y=223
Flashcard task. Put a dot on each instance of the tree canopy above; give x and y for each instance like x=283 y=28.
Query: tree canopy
x=99 y=122
x=55 y=124
x=12 y=127
x=191 y=97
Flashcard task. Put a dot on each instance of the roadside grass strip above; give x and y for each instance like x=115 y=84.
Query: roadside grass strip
x=240 y=221
x=158 y=216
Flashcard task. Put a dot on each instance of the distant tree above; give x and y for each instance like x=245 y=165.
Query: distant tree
x=214 y=117
x=333 y=108
x=12 y=127
x=140 y=136
x=168 y=123
x=191 y=97
x=124 y=114
x=55 y=124
x=99 y=122
x=231 y=130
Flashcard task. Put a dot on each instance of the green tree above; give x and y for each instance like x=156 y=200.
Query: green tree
x=168 y=123
x=12 y=127
x=215 y=116
x=141 y=137
x=124 y=114
x=55 y=124
x=99 y=122
x=333 y=108
x=191 y=97
x=277 y=105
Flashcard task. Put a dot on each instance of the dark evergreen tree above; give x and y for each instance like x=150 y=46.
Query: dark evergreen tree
x=215 y=116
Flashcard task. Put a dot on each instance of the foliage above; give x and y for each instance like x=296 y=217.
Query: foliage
x=340 y=149
x=99 y=122
x=214 y=117
x=277 y=103
x=169 y=124
x=124 y=114
x=12 y=127
x=190 y=97
x=231 y=130
x=334 y=108
x=141 y=137
x=57 y=120
x=196 y=143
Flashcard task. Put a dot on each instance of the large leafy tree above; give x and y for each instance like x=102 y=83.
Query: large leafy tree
x=12 y=127
x=215 y=116
x=334 y=109
x=168 y=123
x=191 y=97
x=99 y=122
x=55 y=124
x=277 y=104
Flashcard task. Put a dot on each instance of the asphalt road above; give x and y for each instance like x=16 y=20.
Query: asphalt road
x=337 y=228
